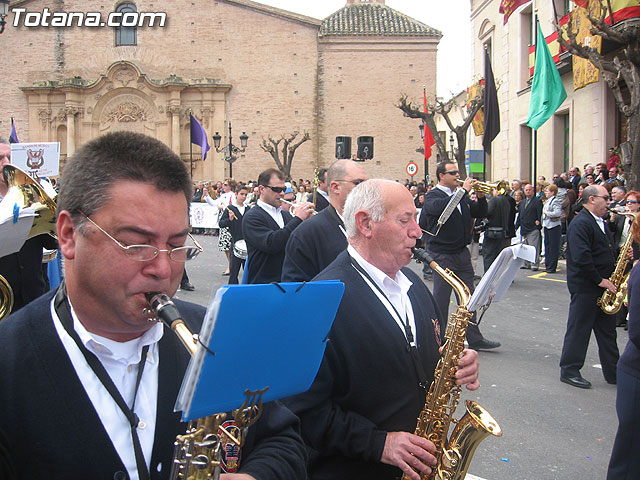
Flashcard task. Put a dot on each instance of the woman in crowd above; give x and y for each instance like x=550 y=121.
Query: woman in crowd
x=227 y=197
x=625 y=461
x=552 y=227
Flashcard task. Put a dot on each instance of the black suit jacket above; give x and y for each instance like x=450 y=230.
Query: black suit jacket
x=591 y=254
x=367 y=384
x=455 y=234
x=57 y=434
x=24 y=272
x=321 y=202
x=528 y=216
x=235 y=225
x=313 y=246
x=266 y=243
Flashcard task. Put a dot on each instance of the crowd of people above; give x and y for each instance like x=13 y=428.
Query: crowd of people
x=124 y=203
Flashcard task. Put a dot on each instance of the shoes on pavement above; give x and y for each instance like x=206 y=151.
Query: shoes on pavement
x=535 y=269
x=187 y=286
x=575 y=381
x=611 y=381
x=484 y=344
x=621 y=324
x=524 y=267
x=549 y=271
x=225 y=274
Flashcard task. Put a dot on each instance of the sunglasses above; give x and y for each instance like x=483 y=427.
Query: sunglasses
x=452 y=172
x=632 y=201
x=276 y=189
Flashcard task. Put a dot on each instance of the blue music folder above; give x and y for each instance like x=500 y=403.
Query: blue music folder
x=258 y=336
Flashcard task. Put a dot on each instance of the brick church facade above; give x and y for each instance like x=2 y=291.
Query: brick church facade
x=267 y=71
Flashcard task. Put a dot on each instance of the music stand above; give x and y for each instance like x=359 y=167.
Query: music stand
x=258 y=336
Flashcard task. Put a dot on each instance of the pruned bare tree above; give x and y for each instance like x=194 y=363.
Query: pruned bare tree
x=412 y=110
x=283 y=149
x=620 y=69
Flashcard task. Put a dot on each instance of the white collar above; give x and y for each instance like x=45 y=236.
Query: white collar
x=129 y=352
x=446 y=190
x=269 y=208
x=379 y=277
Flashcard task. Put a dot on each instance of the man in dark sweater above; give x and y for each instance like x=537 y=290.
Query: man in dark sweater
x=318 y=241
x=449 y=247
x=500 y=229
x=267 y=228
x=383 y=346
x=74 y=361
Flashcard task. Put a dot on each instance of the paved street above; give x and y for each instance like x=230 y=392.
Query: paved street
x=551 y=430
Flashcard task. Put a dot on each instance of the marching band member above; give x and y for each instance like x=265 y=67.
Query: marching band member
x=88 y=382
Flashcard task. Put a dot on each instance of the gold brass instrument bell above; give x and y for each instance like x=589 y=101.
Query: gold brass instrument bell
x=487 y=188
x=6 y=298
x=25 y=192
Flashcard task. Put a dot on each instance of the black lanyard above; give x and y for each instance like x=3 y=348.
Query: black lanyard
x=63 y=311
x=411 y=344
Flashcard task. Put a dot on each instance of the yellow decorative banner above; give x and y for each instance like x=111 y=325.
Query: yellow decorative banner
x=585 y=72
x=478 y=121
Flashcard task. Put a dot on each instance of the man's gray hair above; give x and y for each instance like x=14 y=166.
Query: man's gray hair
x=4 y=140
x=368 y=197
x=590 y=191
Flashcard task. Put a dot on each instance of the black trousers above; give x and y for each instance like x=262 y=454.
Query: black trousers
x=625 y=461
x=460 y=264
x=585 y=316
x=234 y=268
x=552 y=244
x=491 y=248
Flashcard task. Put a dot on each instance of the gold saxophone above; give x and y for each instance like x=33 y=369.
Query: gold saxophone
x=198 y=453
x=609 y=302
x=453 y=455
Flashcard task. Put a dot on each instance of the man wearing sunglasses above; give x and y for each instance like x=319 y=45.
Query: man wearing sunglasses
x=317 y=242
x=449 y=247
x=267 y=229
x=89 y=379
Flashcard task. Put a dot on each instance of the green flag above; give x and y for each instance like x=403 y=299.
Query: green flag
x=547 y=91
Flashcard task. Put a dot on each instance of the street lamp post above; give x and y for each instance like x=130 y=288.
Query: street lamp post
x=230 y=151
x=451 y=144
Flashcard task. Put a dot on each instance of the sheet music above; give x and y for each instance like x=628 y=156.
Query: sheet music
x=13 y=235
x=497 y=280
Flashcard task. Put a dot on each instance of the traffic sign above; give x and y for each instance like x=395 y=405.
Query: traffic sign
x=412 y=168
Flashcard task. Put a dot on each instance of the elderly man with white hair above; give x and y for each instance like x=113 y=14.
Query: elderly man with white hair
x=383 y=349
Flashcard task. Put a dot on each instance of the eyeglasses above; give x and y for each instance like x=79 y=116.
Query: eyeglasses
x=452 y=172
x=276 y=189
x=606 y=197
x=145 y=253
x=631 y=201
x=356 y=182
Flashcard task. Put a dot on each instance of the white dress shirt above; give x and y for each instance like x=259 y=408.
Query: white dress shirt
x=396 y=291
x=599 y=221
x=275 y=213
x=120 y=360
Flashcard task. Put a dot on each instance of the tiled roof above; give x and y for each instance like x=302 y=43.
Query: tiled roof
x=374 y=19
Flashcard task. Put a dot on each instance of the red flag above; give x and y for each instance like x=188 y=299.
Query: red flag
x=428 y=136
x=507 y=7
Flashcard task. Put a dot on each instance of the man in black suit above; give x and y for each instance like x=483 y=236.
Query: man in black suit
x=357 y=415
x=74 y=361
x=529 y=221
x=574 y=178
x=591 y=257
x=232 y=219
x=501 y=227
x=318 y=241
x=267 y=228
x=449 y=247
x=322 y=194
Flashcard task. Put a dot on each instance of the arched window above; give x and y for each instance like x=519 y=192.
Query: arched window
x=126 y=35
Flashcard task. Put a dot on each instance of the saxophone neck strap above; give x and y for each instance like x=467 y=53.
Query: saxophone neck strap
x=63 y=310
x=411 y=343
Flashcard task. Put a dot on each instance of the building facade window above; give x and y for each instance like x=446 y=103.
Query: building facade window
x=126 y=35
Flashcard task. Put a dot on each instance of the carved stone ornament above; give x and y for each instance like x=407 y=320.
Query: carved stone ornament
x=125 y=76
x=126 y=112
